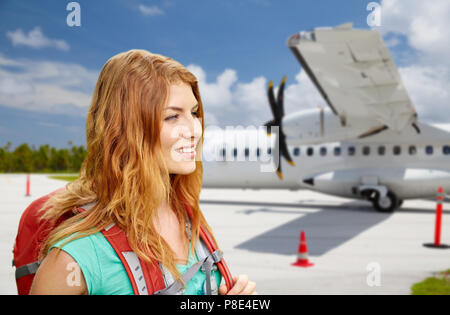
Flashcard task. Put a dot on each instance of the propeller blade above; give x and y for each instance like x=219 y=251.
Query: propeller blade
x=269 y=124
x=277 y=107
x=280 y=97
x=273 y=104
x=284 y=150
x=277 y=154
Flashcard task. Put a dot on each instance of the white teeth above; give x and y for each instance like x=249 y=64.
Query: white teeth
x=186 y=150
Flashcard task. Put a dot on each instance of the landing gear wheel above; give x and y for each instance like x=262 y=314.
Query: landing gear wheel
x=386 y=204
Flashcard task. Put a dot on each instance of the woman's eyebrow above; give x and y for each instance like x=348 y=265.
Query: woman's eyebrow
x=179 y=109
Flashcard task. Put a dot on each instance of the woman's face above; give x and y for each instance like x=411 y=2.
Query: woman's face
x=181 y=130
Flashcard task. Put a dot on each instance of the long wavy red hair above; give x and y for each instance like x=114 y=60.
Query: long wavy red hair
x=124 y=171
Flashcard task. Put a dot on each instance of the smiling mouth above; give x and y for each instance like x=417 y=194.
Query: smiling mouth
x=186 y=153
x=187 y=148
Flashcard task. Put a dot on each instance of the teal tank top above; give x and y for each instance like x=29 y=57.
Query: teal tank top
x=104 y=273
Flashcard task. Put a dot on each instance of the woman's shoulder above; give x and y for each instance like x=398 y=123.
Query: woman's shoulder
x=92 y=252
x=58 y=273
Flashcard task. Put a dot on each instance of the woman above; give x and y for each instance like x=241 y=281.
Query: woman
x=145 y=119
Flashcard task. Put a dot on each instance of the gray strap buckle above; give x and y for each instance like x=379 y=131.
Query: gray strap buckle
x=28 y=269
x=217 y=256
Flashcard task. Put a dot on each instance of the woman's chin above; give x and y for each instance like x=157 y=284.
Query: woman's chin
x=184 y=168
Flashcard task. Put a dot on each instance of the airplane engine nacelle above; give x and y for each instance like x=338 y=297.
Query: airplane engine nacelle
x=320 y=125
x=404 y=182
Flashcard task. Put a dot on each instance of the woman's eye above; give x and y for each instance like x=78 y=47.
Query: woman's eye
x=176 y=116
x=171 y=117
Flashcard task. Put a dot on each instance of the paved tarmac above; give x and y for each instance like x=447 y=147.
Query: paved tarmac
x=355 y=250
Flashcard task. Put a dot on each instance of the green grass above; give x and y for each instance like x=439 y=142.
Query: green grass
x=438 y=285
x=69 y=178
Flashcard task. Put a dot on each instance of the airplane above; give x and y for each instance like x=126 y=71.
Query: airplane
x=368 y=144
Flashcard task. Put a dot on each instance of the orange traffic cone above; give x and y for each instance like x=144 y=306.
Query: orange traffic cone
x=302 y=256
x=438 y=224
x=28 y=186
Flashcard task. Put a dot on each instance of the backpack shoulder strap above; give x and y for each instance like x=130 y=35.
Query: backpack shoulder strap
x=212 y=247
x=147 y=277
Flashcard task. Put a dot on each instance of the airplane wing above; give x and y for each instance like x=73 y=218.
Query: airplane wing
x=355 y=74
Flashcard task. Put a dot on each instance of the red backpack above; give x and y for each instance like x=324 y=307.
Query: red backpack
x=145 y=278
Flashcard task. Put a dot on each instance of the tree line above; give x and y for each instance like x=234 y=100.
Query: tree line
x=44 y=159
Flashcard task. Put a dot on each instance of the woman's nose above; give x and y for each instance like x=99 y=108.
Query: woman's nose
x=192 y=129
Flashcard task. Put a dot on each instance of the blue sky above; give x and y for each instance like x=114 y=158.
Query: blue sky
x=247 y=35
x=48 y=69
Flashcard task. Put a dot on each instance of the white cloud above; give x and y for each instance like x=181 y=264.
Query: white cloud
x=210 y=119
x=302 y=95
x=35 y=39
x=46 y=86
x=216 y=94
x=391 y=42
x=13 y=86
x=425 y=25
x=151 y=11
x=428 y=88
x=252 y=94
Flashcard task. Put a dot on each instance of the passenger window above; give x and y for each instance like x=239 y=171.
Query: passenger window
x=323 y=151
x=397 y=150
x=366 y=150
x=246 y=152
x=446 y=149
x=337 y=151
x=224 y=153
x=296 y=151
x=351 y=151
x=429 y=149
x=412 y=150
x=257 y=152
x=310 y=151
x=269 y=151
x=235 y=152
x=381 y=150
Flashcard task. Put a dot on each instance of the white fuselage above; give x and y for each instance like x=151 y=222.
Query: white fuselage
x=412 y=165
